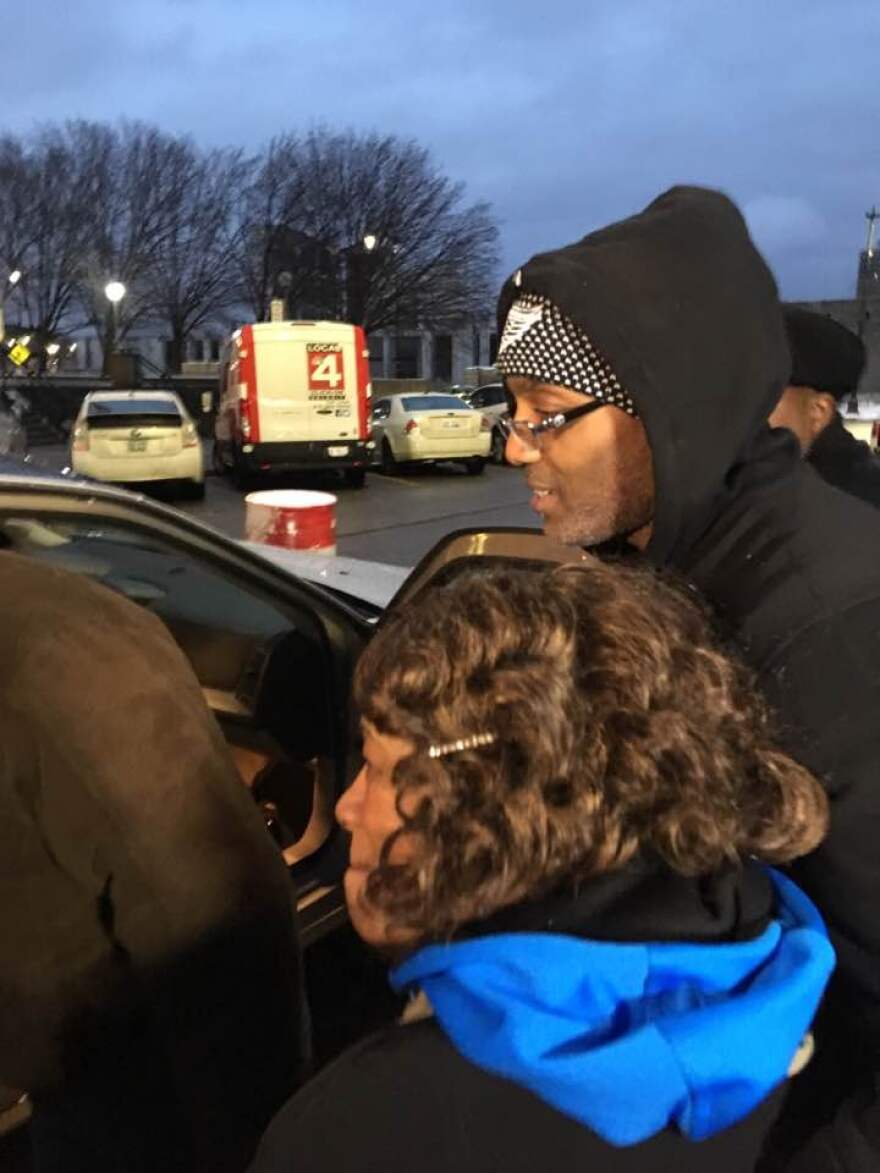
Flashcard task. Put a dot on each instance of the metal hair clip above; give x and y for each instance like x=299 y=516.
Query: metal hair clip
x=477 y=739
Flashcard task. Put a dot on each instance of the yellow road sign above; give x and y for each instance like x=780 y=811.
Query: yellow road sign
x=19 y=355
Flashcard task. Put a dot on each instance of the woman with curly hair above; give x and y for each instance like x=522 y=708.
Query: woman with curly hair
x=560 y=836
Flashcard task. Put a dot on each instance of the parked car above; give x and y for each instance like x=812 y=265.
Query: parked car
x=865 y=427
x=429 y=427
x=137 y=436
x=494 y=402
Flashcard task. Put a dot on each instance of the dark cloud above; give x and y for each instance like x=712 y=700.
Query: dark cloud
x=565 y=115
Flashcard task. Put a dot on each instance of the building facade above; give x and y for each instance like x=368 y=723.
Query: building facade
x=439 y=357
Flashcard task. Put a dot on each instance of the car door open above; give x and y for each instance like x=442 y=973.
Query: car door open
x=273 y=656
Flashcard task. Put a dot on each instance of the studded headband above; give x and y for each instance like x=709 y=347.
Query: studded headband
x=540 y=342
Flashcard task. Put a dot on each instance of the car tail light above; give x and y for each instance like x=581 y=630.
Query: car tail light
x=190 y=436
x=411 y=426
x=875 y=434
x=244 y=411
x=80 y=438
x=485 y=424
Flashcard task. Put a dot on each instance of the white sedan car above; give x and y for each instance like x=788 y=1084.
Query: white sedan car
x=493 y=401
x=137 y=436
x=865 y=426
x=429 y=427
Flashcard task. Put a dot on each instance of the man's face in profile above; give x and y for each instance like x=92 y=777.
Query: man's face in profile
x=591 y=480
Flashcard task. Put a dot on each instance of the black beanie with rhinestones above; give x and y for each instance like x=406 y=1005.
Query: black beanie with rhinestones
x=540 y=342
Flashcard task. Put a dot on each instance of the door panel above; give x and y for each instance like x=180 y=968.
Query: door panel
x=274 y=659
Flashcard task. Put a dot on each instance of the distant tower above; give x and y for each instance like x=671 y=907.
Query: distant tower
x=868 y=307
x=868 y=287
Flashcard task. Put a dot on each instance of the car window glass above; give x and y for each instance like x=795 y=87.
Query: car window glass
x=145 y=406
x=434 y=403
x=262 y=670
x=133 y=413
x=169 y=582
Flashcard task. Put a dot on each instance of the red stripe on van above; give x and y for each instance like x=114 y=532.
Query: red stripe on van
x=363 y=379
x=247 y=374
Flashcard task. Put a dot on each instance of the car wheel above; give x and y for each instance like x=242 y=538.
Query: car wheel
x=475 y=467
x=196 y=490
x=355 y=477
x=389 y=464
x=496 y=452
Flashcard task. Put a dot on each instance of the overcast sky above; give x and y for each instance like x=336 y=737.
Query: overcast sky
x=565 y=114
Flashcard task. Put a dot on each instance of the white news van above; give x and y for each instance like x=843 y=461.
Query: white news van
x=294 y=395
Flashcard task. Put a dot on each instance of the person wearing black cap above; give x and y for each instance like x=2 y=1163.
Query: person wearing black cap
x=827 y=363
x=644 y=361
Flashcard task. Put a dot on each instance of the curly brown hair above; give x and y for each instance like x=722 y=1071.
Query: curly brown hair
x=620 y=727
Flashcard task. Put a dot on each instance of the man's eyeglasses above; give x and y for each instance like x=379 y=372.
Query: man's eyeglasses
x=529 y=434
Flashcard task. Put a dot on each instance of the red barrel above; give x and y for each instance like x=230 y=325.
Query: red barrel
x=292 y=518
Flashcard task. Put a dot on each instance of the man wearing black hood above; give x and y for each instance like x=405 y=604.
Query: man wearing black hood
x=644 y=361
x=827 y=361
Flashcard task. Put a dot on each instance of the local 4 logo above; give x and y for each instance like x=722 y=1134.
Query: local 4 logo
x=326 y=370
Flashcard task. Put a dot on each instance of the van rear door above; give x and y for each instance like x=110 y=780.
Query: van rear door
x=307 y=382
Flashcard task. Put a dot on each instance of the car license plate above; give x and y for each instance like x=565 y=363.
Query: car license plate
x=338 y=450
x=137 y=445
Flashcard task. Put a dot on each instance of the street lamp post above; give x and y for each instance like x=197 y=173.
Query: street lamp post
x=279 y=308
x=114 y=291
x=12 y=280
x=352 y=276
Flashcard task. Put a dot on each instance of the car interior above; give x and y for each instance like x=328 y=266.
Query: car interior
x=264 y=671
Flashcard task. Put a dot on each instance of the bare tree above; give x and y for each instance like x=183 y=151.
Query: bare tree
x=61 y=223
x=132 y=176
x=356 y=226
x=265 y=216
x=15 y=193
x=432 y=259
x=44 y=223
x=365 y=227
x=189 y=279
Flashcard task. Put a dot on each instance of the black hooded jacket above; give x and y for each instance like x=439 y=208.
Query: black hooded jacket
x=680 y=303
x=406 y=1099
x=845 y=462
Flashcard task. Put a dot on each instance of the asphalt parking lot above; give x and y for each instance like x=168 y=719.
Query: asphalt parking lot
x=392 y=519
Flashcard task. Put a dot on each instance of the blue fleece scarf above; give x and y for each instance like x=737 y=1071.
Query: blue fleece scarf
x=630 y=1039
